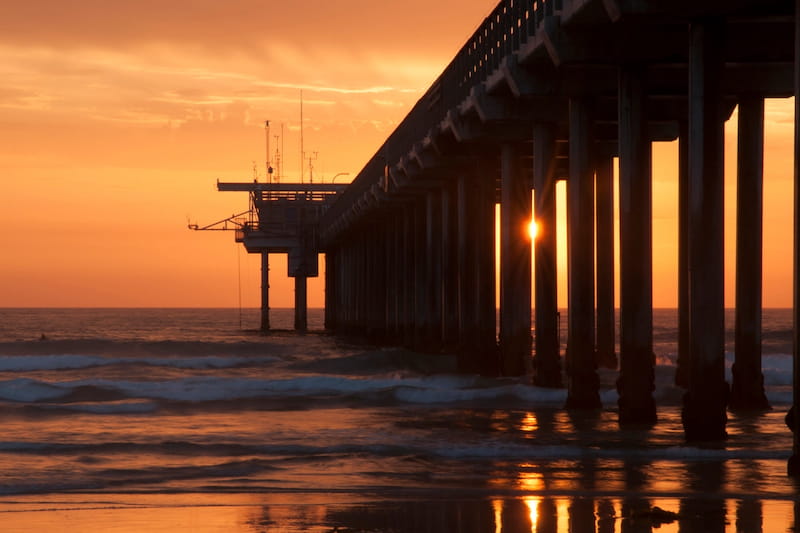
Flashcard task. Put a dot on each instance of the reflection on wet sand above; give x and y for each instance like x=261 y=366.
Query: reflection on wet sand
x=577 y=514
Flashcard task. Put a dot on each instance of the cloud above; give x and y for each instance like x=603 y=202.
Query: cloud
x=241 y=25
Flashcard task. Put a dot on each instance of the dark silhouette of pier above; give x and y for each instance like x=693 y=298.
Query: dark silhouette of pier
x=549 y=90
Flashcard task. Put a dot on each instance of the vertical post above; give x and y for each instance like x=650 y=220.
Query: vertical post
x=355 y=279
x=343 y=286
x=400 y=273
x=684 y=336
x=389 y=290
x=356 y=282
x=515 y=265
x=409 y=275
x=375 y=251
x=637 y=361
x=485 y=295
x=359 y=281
x=481 y=231
x=468 y=357
x=264 y=291
x=604 y=199
x=747 y=390
x=547 y=361
x=433 y=255
x=582 y=380
x=704 y=406
x=449 y=270
x=368 y=296
x=794 y=413
x=394 y=286
x=421 y=304
x=300 y=303
x=331 y=307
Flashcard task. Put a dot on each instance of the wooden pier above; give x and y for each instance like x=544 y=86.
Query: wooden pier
x=549 y=90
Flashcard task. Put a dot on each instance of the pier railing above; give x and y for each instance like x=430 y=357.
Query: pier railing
x=507 y=28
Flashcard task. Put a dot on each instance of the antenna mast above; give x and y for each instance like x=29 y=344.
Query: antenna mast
x=266 y=134
x=302 y=150
x=277 y=158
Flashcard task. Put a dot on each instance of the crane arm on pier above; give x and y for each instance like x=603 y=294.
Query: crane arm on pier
x=232 y=223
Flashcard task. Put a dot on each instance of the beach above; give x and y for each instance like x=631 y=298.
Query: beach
x=183 y=420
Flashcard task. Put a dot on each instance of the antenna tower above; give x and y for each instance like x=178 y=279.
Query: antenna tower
x=302 y=150
x=266 y=135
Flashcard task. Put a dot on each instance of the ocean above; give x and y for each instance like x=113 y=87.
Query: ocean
x=190 y=420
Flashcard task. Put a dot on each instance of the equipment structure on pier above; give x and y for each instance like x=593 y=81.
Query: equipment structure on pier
x=282 y=218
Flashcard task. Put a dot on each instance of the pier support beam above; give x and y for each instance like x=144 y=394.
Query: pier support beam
x=394 y=286
x=264 y=291
x=449 y=270
x=684 y=326
x=476 y=276
x=421 y=294
x=421 y=304
x=300 y=303
x=547 y=361
x=515 y=264
x=375 y=280
x=704 y=406
x=389 y=245
x=486 y=301
x=408 y=275
x=793 y=417
x=636 y=381
x=747 y=390
x=331 y=298
x=582 y=380
x=606 y=319
x=468 y=321
x=433 y=257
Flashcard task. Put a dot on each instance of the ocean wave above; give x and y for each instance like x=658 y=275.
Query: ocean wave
x=433 y=450
x=29 y=363
x=387 y=389
x=141 y=348
x=447 y=389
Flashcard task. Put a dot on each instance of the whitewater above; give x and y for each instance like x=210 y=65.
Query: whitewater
x=126 y=409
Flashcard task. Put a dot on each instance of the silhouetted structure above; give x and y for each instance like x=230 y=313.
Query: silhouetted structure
x=282 y=218
x=549 y=90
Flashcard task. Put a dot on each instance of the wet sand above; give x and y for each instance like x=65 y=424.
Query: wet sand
x=321 y=513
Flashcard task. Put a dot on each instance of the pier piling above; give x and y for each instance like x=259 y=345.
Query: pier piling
x=515 y=264
x=706 y=401
x=582 y=380
x=547 y=358
x=636 y=381
x=747 y=389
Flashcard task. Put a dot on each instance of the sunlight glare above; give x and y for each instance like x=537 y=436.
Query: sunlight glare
x=533 y=229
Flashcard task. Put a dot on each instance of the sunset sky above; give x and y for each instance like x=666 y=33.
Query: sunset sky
x=117 y=118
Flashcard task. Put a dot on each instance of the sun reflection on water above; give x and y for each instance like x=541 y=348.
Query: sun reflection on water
x=533 y=509
x=529 y=423
x=497 y=507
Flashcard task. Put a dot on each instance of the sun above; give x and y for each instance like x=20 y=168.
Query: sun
x=533 y=229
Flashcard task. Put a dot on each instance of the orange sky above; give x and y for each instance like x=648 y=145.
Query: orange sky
x=117 y=118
